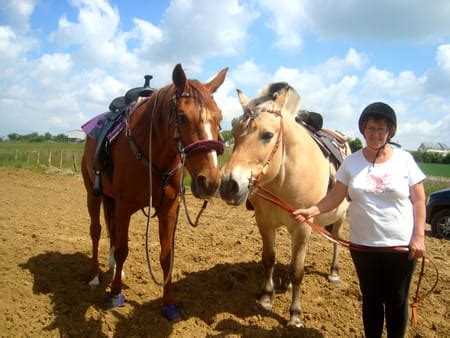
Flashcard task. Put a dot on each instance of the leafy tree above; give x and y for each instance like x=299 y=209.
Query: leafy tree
x=355 y=144
x=227 y=136
x=14 y=137
x=446 y=159
x=234 y=121
x=418 y=156
x=61 y=138
x=47 y=136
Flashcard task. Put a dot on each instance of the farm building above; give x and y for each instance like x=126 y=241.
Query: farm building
x=76 y=135
x=439 y=148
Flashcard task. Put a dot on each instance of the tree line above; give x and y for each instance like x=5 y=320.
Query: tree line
x=38 y=138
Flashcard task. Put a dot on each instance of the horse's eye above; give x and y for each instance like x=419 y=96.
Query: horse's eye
x=266 y=136
x=182 y=119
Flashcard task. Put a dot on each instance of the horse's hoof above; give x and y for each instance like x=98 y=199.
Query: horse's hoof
x=295 y=321
x=265 y=301
x=115 y=301
x=94 y=281
x=171 y=312
x=333 y=279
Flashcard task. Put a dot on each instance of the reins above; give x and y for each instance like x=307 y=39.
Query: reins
x=183 y=152
x=258 y=190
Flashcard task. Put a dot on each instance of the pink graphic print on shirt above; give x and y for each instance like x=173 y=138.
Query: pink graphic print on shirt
x=377 y=184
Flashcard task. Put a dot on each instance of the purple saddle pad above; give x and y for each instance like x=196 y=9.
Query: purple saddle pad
x=95 y=125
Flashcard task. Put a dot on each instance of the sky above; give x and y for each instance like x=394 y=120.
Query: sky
x=63 y=61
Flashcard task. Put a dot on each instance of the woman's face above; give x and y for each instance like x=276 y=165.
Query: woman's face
x=376 y=133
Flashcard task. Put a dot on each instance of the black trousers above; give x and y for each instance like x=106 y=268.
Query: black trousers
x=384 y=279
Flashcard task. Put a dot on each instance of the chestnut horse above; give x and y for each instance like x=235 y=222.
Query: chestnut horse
x=177 y=127
x=275 y=152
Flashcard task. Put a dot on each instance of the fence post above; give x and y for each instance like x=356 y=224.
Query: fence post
x=38 y=157
x=49 y=158
x=61 y=160
x=74 y=162
x=28 y=157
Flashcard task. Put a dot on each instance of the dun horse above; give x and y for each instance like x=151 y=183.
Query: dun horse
x=274 y=151
x=176 y=128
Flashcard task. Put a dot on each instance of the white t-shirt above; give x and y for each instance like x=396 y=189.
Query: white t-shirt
x=380 y=212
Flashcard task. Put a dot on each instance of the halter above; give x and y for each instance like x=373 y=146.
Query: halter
x=255 y=180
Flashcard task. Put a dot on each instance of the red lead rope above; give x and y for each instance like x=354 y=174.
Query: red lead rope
x=274 y=199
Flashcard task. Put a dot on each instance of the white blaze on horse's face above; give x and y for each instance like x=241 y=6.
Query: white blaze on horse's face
x=208 y=132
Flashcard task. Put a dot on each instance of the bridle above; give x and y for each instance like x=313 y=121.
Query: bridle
x=255 y=180
x=182 y=151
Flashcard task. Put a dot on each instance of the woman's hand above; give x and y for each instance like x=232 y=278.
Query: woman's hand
x=417 y=246
x=300 y=215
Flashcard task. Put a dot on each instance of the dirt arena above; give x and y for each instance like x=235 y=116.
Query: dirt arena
x=45 y=249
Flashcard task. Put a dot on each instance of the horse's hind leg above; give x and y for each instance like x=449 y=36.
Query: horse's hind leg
x=336 y=230
x=94 y=203
x=108 y=209
x=268 y=260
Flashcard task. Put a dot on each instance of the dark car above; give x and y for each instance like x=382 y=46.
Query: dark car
x=438 y=213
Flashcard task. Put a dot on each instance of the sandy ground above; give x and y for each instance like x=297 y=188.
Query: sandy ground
x=45 y=250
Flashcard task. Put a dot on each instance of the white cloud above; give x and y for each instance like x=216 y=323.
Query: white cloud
x=287 y=19
x=95 y=35
x=383 y=20
x=52 y=69
x=249 y=74
x=16 y=13
x=195 y=30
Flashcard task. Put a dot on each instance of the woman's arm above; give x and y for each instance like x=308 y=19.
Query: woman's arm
x=417 y=243
x=329 y=202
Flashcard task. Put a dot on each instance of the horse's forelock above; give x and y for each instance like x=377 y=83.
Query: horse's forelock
x=202 y=94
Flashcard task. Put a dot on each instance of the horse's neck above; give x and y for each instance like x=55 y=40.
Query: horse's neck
x=303 y=159
x=147 y=118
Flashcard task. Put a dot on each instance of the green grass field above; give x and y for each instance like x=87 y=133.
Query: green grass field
x=67 y=157
x=435 y=169
x=40 y=156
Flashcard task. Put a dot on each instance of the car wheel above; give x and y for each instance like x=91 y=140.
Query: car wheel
x=440 y=224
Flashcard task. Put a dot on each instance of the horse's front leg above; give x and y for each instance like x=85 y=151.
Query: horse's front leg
x=334 y=277
x=300 y=237
x=167 y=225
x=122 y=222
x=268 y=259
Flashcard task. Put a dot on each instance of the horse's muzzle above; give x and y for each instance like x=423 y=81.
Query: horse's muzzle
x=231 y=192
x=203 y=188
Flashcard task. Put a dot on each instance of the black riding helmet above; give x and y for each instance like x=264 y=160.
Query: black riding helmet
x=379 y=111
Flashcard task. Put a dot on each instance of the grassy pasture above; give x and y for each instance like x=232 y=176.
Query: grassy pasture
x=66 y=157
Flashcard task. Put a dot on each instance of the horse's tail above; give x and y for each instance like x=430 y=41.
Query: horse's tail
x=108 y=211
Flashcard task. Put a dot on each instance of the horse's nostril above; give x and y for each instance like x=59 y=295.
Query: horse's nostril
x=229 y=187
x=200 y=181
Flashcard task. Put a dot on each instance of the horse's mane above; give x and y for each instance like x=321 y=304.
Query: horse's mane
x=161 y=103
x=275 y=87
x=271 y=92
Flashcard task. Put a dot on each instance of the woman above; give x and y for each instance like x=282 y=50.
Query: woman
x=387 y=209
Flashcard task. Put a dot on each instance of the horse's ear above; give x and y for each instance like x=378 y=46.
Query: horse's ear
x=242 y=98
x=179 y=77
x=291 y=102
x=217 y=81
